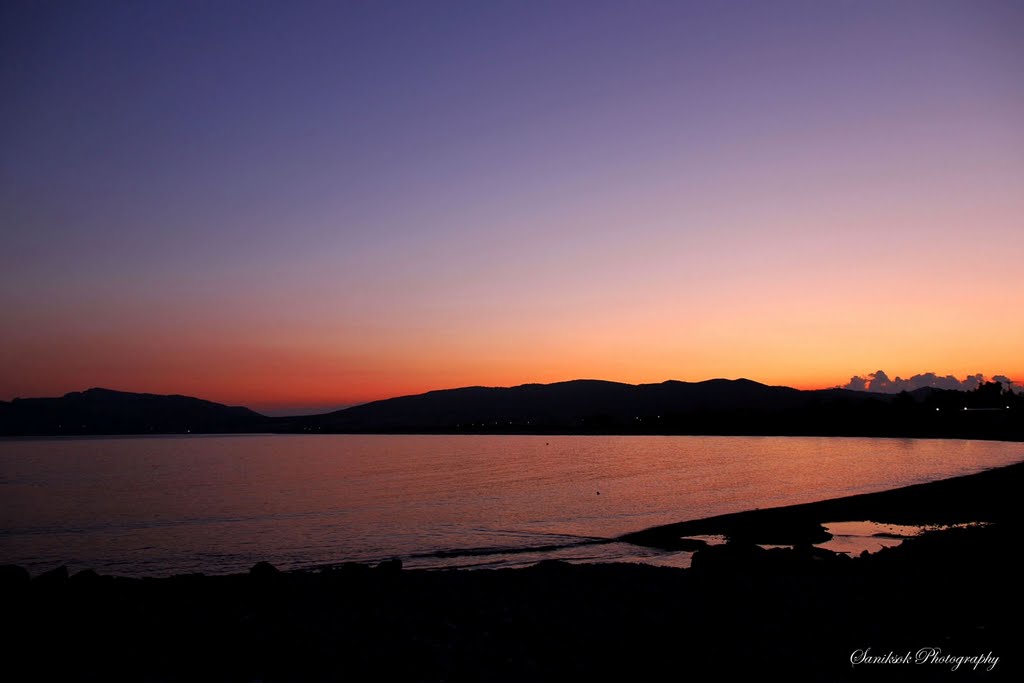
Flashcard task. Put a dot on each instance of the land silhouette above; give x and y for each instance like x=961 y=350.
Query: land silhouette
x=719 y=406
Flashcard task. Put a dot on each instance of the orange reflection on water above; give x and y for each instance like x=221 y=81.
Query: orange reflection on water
x=164 y=505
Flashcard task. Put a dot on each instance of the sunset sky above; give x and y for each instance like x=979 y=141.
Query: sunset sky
x=300 y=205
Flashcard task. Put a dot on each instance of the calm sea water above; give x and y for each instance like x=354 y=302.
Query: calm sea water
x=215 y=504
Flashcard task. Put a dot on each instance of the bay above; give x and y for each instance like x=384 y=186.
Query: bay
x=155 y=506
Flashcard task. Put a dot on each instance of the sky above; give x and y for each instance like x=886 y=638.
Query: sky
x=303 y=205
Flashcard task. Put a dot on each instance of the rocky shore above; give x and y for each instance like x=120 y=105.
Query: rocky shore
x=942 y=606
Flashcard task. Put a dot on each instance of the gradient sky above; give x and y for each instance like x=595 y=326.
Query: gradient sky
x=305 y=204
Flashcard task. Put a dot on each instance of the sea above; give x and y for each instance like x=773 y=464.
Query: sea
x=165 y=505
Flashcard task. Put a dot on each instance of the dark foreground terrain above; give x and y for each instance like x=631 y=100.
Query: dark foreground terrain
x=788 y=614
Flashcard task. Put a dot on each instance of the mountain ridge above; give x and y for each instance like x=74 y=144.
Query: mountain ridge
x=586 y=406
x=99 y=410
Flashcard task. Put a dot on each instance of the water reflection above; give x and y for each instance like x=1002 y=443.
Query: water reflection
x=156 y=506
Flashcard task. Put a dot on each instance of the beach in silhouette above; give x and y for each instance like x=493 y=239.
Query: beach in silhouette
x=800 y=610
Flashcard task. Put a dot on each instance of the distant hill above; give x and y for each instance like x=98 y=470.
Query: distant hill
x=717 y=406
x=104 y=411
x=579 y=404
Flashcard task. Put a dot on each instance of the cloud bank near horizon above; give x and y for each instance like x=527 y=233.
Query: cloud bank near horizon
x=880 y=382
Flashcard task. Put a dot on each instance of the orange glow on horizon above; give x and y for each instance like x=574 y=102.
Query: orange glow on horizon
x=636 y=203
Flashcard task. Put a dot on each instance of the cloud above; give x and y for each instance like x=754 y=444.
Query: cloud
x=857 y=383
x=879 y=382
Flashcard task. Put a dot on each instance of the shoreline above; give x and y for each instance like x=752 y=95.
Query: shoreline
x=985 y=496
x=740 y=609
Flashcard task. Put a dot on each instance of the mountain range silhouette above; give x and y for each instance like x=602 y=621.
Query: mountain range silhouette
x=717 y=406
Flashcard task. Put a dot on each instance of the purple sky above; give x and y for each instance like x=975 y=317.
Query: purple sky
x=315 y=203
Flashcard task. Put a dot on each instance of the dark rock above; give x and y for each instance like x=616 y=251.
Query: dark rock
x=353 y=571
x=729 y=557
x=392 y=566
x=52 y=577
x=13 y=576
x=815 y=554
x=264 y=570
x=86 y=575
